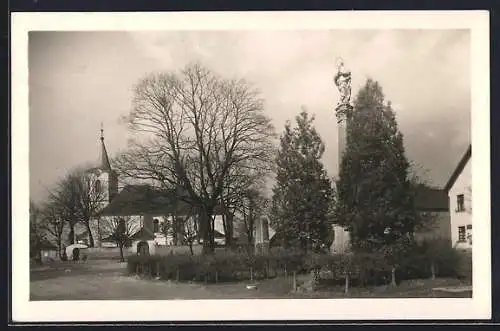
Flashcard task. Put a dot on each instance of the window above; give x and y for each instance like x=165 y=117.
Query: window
x=156 y=226
x=461 y=233
x=460 y=203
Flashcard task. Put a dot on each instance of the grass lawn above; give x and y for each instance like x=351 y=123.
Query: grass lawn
x=106 y=280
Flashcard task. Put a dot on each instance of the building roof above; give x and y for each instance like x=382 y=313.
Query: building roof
x=84 y=235
x=47 y=245
x=142 y=199
x=460 y=167
x=431 y=199
x=103 y=163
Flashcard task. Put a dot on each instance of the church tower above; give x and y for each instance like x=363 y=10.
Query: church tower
x=107 y=178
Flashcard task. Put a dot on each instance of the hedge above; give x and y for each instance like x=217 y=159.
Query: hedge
x=363 y=268
x=223 y=266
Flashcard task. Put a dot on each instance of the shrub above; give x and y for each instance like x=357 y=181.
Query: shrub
x=431 y=255
x=370 y=268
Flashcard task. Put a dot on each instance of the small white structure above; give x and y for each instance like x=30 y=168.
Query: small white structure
x=75 y=249
x=341 y=241
x=459 y=188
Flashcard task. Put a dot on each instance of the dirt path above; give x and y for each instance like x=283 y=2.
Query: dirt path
x=116 y=286
x=107 y=281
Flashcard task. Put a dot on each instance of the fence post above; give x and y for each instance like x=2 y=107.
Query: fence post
x=346 y=291
x=294 y=282
x=314 y=279
x=251 y=274
x=393 y=276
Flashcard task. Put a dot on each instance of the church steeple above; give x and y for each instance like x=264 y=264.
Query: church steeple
x=107 y=176
x=105 y=164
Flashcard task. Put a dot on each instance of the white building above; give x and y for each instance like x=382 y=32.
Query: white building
x=459 y=188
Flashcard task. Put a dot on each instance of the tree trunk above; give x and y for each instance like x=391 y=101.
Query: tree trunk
x=122 y=258
x=39 y=256
x=59 y=248
x=91 y=237
x=175 y=232
x=346 y=289
x=71 y=234
x=251 y=241
x=393 y=276
x=227 y=221
x=191 y=247
x=206 y=234
x=99 y=234
x=59 y=245
x=212 y=232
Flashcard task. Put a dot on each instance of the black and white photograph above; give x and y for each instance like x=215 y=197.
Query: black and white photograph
x=242 y=166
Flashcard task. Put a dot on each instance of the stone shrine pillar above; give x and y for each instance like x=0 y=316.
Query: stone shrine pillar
x=261 y=236
x=343 y=112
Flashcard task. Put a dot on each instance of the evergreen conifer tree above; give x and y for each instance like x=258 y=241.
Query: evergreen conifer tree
x=375 y=199
x=302 y=195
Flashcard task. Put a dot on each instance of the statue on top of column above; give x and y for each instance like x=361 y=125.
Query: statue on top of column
x=343 y=82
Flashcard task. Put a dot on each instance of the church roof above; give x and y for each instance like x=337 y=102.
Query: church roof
x=105 y=164
x=140 y=200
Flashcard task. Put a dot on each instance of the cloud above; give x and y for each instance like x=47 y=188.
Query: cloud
x=80 y=79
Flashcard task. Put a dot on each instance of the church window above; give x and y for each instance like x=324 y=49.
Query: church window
x=156 y=225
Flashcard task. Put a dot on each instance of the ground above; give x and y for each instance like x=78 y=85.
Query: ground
x=106 y=280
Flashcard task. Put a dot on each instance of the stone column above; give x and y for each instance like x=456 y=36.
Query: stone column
x=343 y=112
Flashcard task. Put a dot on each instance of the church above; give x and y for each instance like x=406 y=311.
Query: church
x=146 y=211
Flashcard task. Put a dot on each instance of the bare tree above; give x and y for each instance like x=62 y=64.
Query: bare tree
x=253 y=206
x=65 y=199
x=37 y=235
x=80 y=197
x=120 y=230
x=53 y=222
x=196 y=128
x=191 y=232
x=184 y=228
x=240 y=182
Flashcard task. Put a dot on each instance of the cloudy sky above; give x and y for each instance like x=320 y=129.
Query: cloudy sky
x=79 y=79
